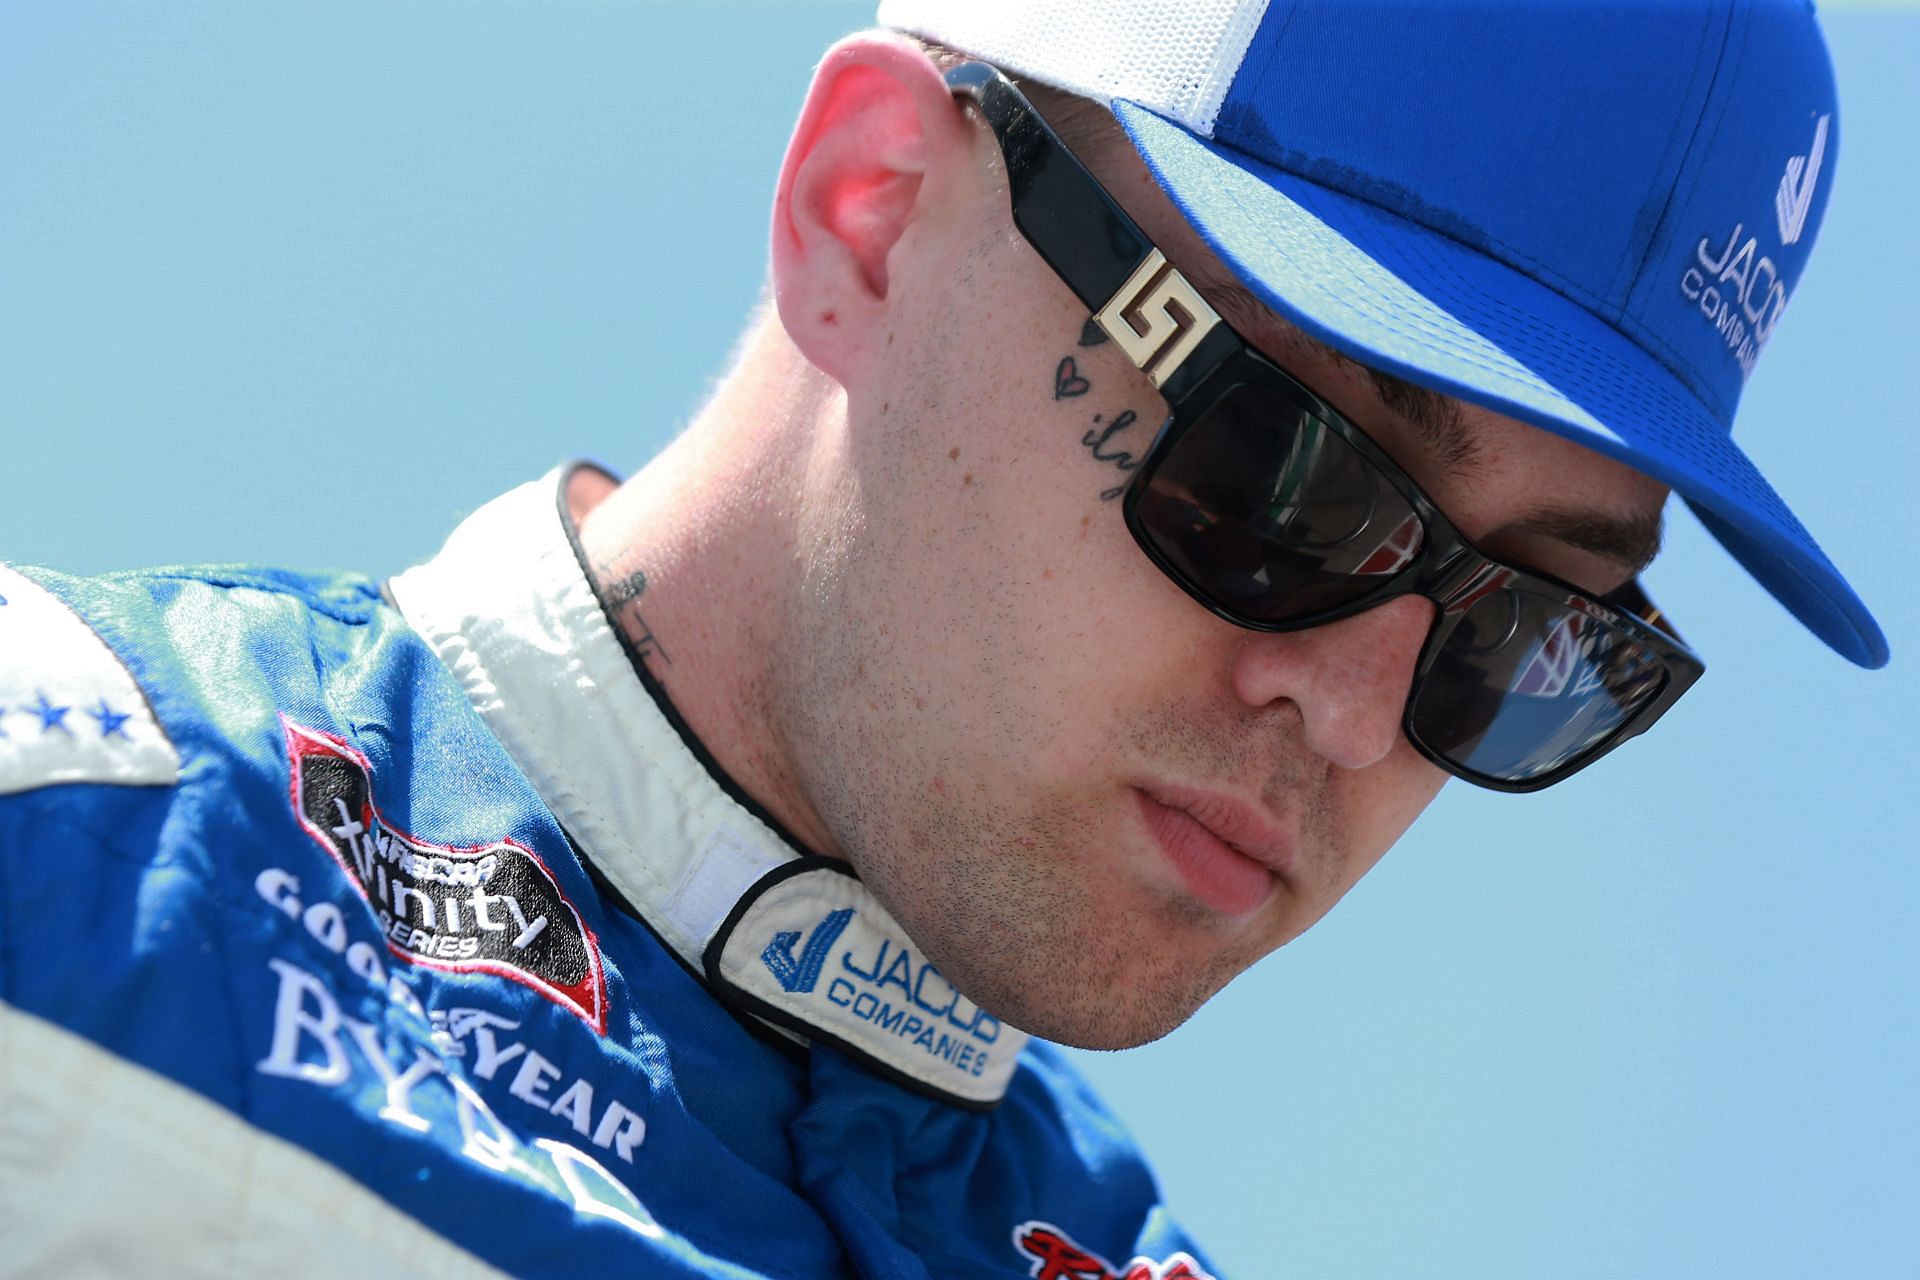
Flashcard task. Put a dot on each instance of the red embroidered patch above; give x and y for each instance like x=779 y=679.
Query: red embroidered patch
x=1056 y=1257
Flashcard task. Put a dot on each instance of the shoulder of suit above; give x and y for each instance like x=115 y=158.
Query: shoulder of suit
x=70 y=709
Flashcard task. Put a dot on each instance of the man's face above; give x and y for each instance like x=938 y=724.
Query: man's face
x=1091 y=801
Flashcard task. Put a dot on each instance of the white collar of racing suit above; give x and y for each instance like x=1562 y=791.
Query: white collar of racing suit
x=791 y=938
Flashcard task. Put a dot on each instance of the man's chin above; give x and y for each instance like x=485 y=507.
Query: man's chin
x=1110 y=1036
x=1105 y=1012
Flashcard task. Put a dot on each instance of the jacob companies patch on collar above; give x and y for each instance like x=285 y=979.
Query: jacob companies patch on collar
x=492 y=908
x=808 y=948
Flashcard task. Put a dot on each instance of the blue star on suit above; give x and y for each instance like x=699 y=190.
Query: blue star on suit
x=51 y=715
x=111 y=722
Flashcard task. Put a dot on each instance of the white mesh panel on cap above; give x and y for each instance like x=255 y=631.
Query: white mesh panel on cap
x=1174 y=57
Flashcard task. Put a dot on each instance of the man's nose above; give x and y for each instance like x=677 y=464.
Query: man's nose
x=1349 y=678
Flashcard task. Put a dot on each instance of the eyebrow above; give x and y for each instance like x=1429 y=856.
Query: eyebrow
x=1632 y=541
x=1436 y=420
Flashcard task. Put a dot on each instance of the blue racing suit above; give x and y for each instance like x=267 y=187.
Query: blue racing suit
x=345 y=928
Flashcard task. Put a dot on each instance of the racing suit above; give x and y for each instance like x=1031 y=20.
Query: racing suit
x=345 y=929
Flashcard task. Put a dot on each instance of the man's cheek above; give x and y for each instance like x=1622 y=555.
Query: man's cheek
x=1388 y=804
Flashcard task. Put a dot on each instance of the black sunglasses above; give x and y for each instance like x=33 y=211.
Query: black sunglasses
x=1271 y=509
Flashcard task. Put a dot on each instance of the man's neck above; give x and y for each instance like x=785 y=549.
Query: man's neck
x=696 y=557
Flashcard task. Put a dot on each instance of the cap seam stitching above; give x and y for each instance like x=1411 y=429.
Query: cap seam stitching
x=1670 y=206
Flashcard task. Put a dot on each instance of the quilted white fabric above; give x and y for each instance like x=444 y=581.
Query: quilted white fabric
x=1174 y=57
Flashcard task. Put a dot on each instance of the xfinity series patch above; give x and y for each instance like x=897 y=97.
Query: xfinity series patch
x=808 y=948
x=491 y=908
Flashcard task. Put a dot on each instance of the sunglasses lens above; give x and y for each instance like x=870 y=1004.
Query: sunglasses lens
x=1523 y=685
x=1272 y=514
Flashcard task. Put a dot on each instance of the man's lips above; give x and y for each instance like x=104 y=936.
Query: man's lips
x=1229 y=855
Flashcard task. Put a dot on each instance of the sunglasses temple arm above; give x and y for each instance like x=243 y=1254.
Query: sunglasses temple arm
x=1060 y=208
x=1633 y=599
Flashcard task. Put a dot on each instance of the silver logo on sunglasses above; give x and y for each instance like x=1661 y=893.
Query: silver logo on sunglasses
x=1157 y=318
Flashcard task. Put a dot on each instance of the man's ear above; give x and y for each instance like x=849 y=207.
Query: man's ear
x=878 y=119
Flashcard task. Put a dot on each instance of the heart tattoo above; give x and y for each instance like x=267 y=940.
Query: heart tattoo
x=1067 y=381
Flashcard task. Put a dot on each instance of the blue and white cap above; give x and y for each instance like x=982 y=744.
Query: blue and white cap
x=1589 y=217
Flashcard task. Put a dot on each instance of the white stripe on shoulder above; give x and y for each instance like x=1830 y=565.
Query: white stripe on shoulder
x=109 y=1169
x=69 y=708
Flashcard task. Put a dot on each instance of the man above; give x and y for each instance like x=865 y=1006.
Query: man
x=659 y=875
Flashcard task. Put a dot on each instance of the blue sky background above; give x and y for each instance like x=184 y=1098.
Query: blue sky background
x=305 y=283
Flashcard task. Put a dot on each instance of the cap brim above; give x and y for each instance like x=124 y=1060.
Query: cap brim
x=1414 y=303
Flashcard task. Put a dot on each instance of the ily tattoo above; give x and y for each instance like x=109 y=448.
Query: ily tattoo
x=1069 y=383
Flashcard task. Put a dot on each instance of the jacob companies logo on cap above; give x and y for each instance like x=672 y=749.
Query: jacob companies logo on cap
x=1795 y=196
x=1739 y=287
